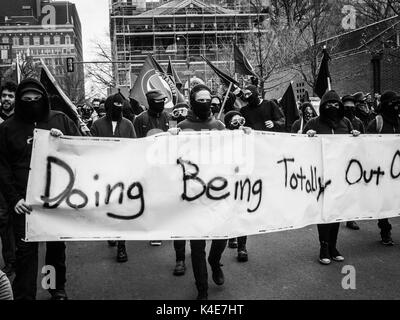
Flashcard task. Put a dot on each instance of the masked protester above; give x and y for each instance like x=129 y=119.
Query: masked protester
x=362 y=110
x=180 y=112
x=235 y=121
x=261 y=114
x=307 y=112
x=349 y=103
x=216 y=105
x=386 y=122
x=330 y=121
x=155 y=119
x=7 y=99
x=115 y=125
x=200 y=114
x=200 y=118
x=32 y=110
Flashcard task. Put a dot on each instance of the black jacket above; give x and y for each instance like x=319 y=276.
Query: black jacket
x=103 y=126
x=322 y=125
x=145 y=122
x=265 y=111
x=16 y=136
x=192 y=122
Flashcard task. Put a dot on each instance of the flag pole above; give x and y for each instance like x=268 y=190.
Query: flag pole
x=225 y=99
x=329 y=84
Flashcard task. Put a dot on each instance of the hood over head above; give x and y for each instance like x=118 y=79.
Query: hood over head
x=114 y=113
x=303 y=108
x=331 y=96
x=34 y=111
x=389 y=108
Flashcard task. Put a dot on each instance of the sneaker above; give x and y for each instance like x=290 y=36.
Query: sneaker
x=58 y=294
x=156 y=243
x=336 y=256
x=180 y=268
x=112 y=243
x=387 y=240
x=352 y=225
x=324 y=256
x=122 y=256
x=242 y=256
x=232 y=243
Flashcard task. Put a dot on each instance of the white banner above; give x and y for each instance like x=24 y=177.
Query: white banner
x=206 y=185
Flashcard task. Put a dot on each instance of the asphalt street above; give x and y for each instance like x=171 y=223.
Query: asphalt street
x=281 y=266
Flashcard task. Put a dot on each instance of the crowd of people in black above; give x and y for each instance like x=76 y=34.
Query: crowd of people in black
x=27 y=106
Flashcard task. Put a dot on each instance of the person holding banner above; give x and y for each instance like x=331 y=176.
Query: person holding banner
x=200 y=118
x=330 y=121
x=153 y=121
x=386 y=122
x=234 y=121
x=115 y=125
x=307 y=113
x=32 y=110
x=261 y=114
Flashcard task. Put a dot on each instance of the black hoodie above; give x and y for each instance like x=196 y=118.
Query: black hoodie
x=16 y=136
x=324 y=125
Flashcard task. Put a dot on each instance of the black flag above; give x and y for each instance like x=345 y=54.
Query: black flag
x=324 y=76
x=289 y=106
x=223 y=76
x=174 y=75
x=59 y=101
x=242 y=65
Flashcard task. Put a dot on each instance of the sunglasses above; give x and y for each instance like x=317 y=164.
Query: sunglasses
x=239 y=121
x=179 y=112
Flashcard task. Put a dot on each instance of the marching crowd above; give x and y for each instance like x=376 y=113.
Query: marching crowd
x=27 y=106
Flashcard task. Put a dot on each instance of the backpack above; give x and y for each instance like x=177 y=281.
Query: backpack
x=379 y=123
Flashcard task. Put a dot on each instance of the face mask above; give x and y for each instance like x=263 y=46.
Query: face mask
x=308 y=116
x=215 y=108
x=252 y=100
x=202 y=109
x=332 y=113
x=116 y=113
x=34 y=111
x=156 y=107
x=349 y=112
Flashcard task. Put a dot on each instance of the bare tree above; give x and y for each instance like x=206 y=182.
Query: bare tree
x=376 y=10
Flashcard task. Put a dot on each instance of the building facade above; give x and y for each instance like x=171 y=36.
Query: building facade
x=48 y=30
x=183 y=30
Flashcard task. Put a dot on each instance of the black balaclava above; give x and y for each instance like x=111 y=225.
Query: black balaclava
x=349 y=112
x=214 y=109
x=156 y=107
x=331 y=115
x=31 y=111
x=201 y=109
x=254 y=99
x=307 y=116
x=113 y=112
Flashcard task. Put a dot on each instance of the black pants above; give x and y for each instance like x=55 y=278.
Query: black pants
x=198 y=248
x=6 y=233
x=26 y=268
x=242 y=243
x=179 y=246
x=385 y=227
x=328 y=233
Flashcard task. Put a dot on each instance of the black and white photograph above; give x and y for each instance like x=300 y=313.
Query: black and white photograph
x=178 y=151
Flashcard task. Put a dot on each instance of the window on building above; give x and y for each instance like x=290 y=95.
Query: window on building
x=57 y=40
x=36 y=41
x=5 y=40
x=26 y=41
x=16 y=41
x=67 y=39
x=46 y=40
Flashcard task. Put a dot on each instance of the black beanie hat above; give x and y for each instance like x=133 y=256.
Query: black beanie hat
x=196 y=89
x=330 y=96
